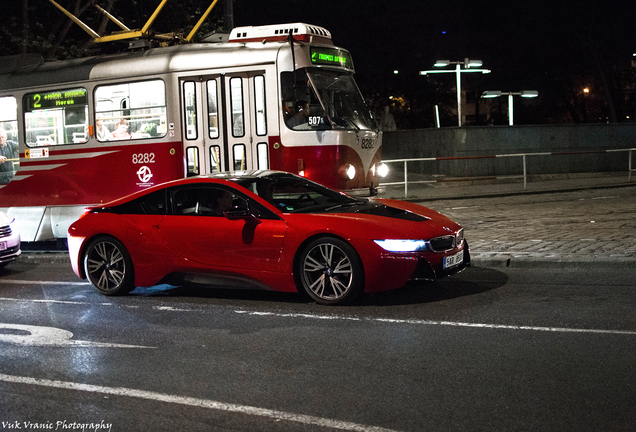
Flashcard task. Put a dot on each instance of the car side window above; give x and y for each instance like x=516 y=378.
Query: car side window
x=152 y=204
x=184 y=202
x=295 y=196
x=202 y=201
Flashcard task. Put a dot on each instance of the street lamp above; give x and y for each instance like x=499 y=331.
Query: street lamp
x=498 y=93
x=468 y=64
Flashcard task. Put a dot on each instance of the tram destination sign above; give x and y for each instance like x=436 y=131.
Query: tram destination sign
x=331 y=56
x=56 y=99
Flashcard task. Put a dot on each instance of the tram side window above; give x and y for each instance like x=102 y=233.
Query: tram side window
x=131 y=110
x=57 y=117
x=238 y=115
x=9 y=151
x=263 y=156
x=259 y=105
x=301 y=106
x=190 y=104
x=239 y=157
x=192 y=155
x=215 y=158
x=213 y=114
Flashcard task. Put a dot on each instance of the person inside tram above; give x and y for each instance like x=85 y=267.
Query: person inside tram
x=301 y=116
x=121 y=131
x=9 y=153
x=101 y=131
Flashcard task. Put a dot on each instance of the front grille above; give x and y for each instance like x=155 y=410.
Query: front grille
x=5 y=231
x=444 y=243
x=447 y=242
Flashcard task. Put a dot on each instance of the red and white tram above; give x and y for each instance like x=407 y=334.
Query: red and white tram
x=89 y=130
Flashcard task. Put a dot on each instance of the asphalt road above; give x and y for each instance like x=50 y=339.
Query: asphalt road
x=489 y=349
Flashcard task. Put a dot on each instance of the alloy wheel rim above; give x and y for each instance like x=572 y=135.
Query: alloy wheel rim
x=327 y=271
x=106 y=266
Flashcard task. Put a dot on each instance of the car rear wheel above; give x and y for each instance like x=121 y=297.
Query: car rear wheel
x=330 y=271
x=109 y=267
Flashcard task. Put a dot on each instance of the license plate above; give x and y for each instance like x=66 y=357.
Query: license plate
x=453 y=260
x=3 y=245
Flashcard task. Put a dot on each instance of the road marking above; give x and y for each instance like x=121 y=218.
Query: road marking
x=31 y=282
x=49 y=336
x=171 y=309
x=440 y=323
x=160 y=308
x=196 y=402
x=52 y=301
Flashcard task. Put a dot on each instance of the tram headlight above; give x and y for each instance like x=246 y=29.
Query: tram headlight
x=380 y=169
x=347 y=172
x=351 y=172
x=383 y=170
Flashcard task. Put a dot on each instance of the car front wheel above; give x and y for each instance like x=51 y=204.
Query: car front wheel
x=109 y=267
x=330 y=271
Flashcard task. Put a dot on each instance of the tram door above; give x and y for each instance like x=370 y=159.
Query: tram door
x=224 y=123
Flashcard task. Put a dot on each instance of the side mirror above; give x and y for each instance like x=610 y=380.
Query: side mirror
x=242 y=213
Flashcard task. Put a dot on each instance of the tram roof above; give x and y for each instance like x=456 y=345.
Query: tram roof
x=180 y=58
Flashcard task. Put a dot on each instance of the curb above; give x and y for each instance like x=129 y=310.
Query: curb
x=507 y=261
x=44 y=257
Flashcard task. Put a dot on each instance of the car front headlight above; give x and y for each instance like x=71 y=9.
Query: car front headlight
x=403 y=245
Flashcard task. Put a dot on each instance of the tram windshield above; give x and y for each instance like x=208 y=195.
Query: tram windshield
x=320 y=99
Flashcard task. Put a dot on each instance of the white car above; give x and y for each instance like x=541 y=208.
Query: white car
x=9 y=240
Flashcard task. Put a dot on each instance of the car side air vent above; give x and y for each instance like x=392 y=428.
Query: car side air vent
x=382 y=210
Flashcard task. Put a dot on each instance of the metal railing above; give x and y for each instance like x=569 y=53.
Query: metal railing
x=524 y=156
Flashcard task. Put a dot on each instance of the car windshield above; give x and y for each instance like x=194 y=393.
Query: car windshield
x=292 y=194
x=320 y=99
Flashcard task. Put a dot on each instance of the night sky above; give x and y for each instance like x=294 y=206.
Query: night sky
x=520 y=41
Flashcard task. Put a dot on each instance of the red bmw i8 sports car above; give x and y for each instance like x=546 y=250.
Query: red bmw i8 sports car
x=269 y=229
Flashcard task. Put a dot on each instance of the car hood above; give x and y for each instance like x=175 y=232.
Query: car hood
x=5 y=219
x=393 y=209
x=379 y=218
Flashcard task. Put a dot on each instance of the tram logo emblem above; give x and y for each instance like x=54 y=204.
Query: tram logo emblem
x=144 y=174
